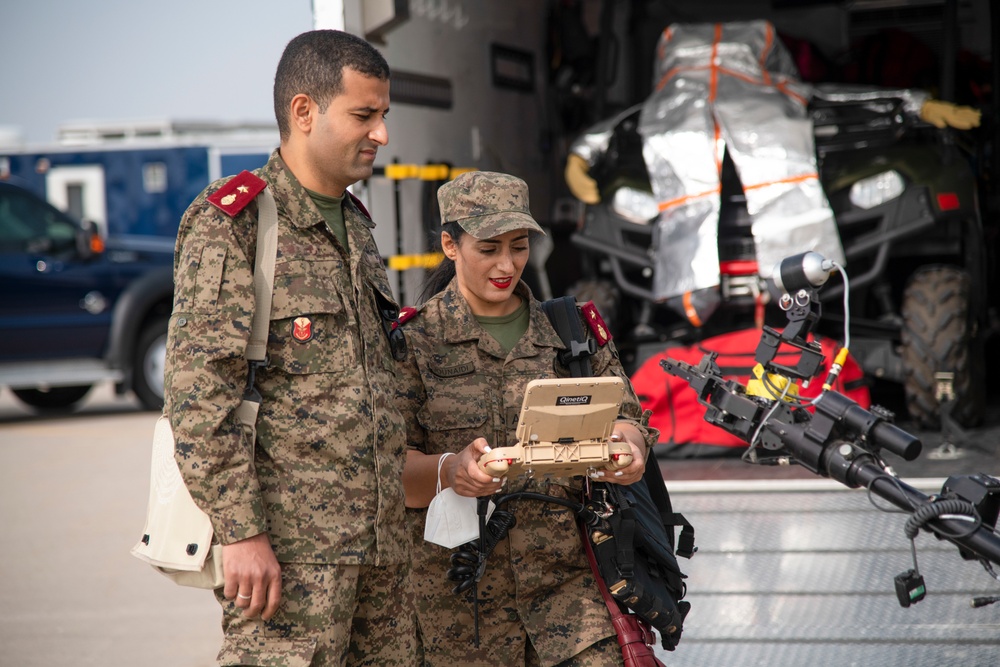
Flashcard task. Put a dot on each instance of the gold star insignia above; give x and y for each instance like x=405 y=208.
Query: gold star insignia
x=244 y=189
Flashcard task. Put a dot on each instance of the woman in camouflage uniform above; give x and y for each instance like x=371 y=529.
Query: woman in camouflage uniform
x=474 y=345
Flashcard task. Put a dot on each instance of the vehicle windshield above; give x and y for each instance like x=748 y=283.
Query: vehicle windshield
x=30 y=225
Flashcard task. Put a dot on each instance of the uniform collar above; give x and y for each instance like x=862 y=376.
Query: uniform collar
x=294 y=201
x=459 y=324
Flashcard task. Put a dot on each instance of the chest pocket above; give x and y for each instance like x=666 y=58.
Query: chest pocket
x=458 y=404
x=311 y=330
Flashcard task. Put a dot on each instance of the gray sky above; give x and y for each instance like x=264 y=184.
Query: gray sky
x=70 y=60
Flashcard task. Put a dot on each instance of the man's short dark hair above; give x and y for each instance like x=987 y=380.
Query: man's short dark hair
x=313 y=64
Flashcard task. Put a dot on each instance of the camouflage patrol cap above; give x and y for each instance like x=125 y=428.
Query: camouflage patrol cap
x=487 y=204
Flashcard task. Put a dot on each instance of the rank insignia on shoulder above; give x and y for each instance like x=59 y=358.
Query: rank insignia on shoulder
x=596 y=323
x=406 y=314
x=239 y=191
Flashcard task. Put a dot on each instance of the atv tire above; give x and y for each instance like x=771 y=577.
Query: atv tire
x=53 y=399
x=938 y=337
x=148 y=365
x=605 y=297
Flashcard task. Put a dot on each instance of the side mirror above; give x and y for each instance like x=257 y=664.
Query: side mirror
x=88 y=240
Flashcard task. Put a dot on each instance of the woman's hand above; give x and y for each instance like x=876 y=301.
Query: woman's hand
x=463 y=474
x=631 y=473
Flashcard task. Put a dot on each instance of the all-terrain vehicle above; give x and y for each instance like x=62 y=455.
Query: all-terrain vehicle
x=904 y=198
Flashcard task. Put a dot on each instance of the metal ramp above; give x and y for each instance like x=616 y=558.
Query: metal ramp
x=799 y=572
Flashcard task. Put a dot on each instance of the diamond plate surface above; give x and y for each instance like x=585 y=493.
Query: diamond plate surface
x=806 y=578
x=805 y=654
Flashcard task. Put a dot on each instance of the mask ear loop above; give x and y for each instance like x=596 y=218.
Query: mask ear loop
x=440 y=461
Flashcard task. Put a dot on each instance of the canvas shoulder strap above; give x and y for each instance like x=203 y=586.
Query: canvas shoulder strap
x=263 y=274
x=263 y=285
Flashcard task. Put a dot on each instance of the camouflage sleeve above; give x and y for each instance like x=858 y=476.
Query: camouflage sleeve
x=206 y=371
x=410 y=395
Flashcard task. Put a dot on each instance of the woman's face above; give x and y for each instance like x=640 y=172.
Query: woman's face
x=488 y=270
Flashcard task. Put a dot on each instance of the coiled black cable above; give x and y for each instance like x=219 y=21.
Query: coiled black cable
x=932 y=510
x=467 y=564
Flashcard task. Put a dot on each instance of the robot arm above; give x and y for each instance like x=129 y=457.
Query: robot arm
x=841 y=440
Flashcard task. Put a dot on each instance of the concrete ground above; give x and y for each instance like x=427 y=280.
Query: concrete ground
x=73 y=495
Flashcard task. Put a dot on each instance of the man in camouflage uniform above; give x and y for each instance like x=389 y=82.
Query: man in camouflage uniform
x=311 y=516
x=539 y=603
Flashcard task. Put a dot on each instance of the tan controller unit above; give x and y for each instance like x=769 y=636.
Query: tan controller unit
x=564 y=429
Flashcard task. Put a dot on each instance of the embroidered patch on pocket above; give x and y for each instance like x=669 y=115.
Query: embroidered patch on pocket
x=453 y=371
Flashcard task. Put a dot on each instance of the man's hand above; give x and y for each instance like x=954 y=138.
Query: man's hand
x=253 y=576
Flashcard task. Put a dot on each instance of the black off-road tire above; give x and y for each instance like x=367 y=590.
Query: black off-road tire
x=604 y=295
x=939 y=337
x=147 y=365
x=53 y=399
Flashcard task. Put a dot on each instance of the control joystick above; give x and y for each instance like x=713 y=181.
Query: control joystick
x=497 y=462
x=620 y=454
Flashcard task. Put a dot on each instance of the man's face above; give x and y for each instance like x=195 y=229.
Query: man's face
x=344 y=140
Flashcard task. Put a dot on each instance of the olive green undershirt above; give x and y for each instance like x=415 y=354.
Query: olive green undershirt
x=507 y=329
x=332 y=209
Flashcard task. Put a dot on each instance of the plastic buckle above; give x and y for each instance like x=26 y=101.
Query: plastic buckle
x=250 y=393
x=578 y=350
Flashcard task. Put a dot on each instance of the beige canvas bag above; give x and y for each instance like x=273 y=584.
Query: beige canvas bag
x=177 y=537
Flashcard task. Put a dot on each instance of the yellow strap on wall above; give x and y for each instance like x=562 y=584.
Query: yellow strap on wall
x=459 y=170
x=400 y=172
x=424 y=261
x=426 y=172
x=423 y=172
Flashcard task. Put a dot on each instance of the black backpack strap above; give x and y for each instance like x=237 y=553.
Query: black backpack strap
x=624 y=522
x=565 y=318
x=661 y=498
x=656 y=595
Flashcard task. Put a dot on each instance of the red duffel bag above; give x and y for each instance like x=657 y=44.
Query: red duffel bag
x=676 y=410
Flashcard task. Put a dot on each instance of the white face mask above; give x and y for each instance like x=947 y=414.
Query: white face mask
x=452 y=519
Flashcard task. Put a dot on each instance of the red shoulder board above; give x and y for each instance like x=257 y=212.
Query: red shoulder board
x=596 y=323
x=406 y=314
x=234 y=196
x=361 y=207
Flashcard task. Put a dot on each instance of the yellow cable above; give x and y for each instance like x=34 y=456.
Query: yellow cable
x=838 y=365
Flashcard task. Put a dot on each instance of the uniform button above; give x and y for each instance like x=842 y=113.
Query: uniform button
x=512 y=616
x=181 y=321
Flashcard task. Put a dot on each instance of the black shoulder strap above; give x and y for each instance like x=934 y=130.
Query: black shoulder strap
x=565 y=318
x=684 y=546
